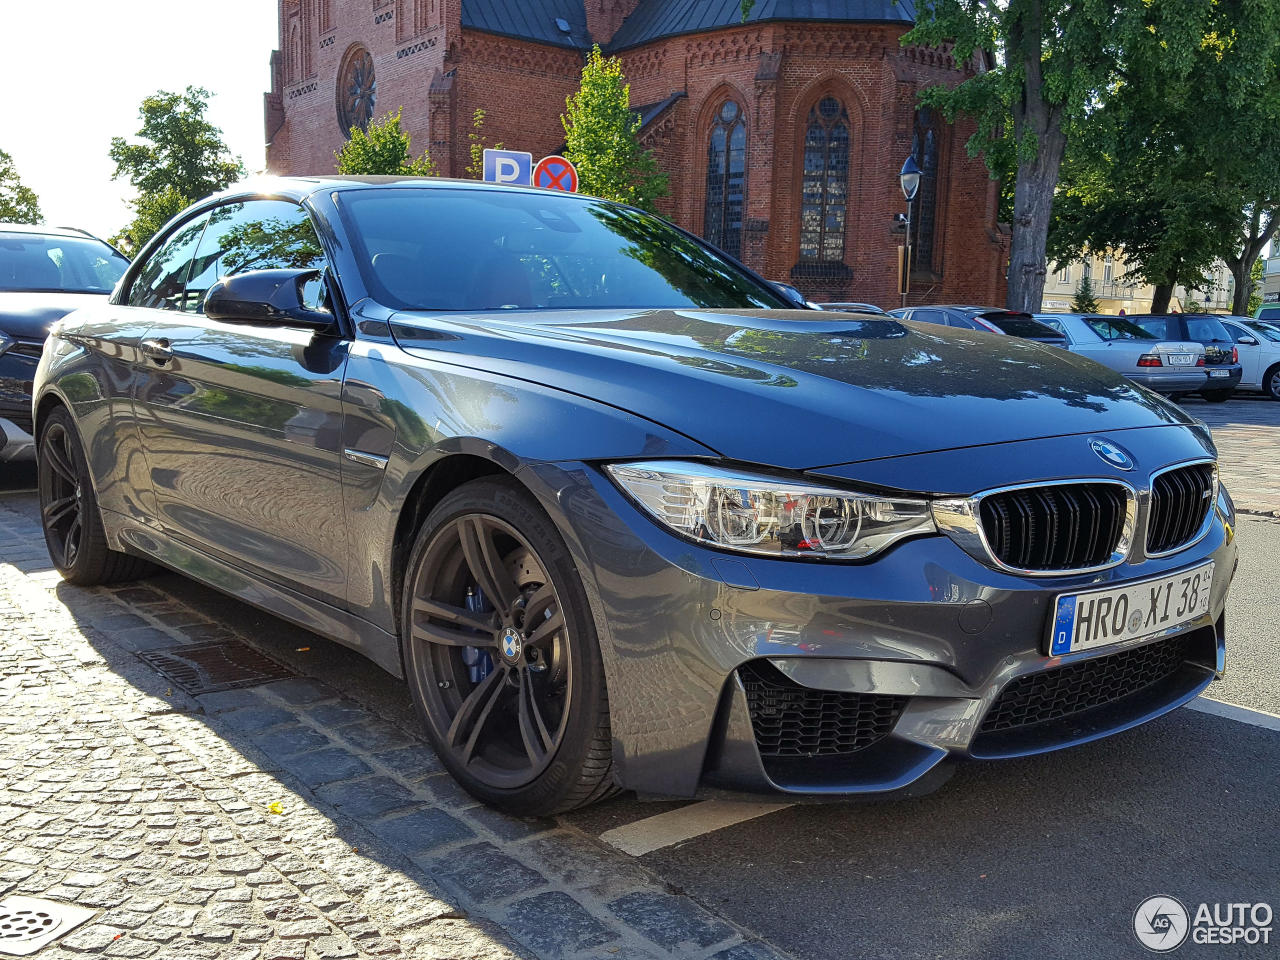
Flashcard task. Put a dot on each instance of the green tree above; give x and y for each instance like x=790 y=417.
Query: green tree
x=476 y=145
x=1084 y=301
x=1255 y=291
x=1044 y=64
x=18 y=202
x=383 y=149
x=151 y=211
x=602 y=137
x=181 y=155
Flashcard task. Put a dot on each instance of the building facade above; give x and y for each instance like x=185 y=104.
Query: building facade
x=782 y=136
x=1116 y=292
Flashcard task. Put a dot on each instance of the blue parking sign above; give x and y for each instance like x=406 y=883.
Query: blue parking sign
x=508 y=166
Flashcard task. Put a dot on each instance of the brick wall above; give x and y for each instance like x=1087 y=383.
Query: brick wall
x=439 y=74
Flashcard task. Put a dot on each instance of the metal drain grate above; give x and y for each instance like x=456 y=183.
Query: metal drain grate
x=209 y=667
x=27 y=924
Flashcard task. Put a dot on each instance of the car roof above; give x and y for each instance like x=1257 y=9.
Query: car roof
x=300 y=188
x=45 y=230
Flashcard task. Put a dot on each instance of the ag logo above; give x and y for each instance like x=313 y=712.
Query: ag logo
x=1161 y=923
x=1112 y=453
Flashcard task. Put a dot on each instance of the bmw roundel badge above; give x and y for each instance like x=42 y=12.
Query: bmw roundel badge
x=1112 y=453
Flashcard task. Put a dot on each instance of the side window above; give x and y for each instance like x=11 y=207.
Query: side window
x=1238 y=334
x=929 y=316
x=1055 y=325
x=255 y=235
x=964 y=323
x=162 y=282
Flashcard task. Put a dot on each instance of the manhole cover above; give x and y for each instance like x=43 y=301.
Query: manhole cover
x=209 y=667
x=27 y=924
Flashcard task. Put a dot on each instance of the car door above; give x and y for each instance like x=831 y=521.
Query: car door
x=241 y=423
x=1250 y=351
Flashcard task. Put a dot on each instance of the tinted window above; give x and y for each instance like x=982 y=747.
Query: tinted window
x=34 y=261
x=253 y=235
x=1266 y=330
x=1207 y=329
x=1162 y=328
x=1118 y=328
x=1020 y=325
x=1240 y=334
x=467 y=249
x=929 y=316
x=1057 y=326
x=161 y=284
x=1269 y=313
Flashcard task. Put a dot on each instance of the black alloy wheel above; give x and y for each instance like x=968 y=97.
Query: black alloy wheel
x=69 y=512
x=502 y=656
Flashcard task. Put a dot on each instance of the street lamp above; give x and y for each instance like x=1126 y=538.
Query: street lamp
x=909 y=180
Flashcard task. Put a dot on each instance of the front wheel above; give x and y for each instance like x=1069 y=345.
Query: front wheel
x=69 y=511
x=1217 y=396
x=1271 y=386
x=502 y=656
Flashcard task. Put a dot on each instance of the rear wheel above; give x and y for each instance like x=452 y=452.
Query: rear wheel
x=1271 y=383
x=69 y=511
x=502 y=656
x=1217 y=396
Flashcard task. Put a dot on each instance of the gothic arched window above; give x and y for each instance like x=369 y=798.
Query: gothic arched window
x=824 y=194
x=924 y=147
x=726 y=179
x=357 y=90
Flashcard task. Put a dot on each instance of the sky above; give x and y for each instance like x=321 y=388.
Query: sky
x=77 y=71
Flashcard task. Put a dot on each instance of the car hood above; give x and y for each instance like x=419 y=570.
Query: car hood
x=794 y=390
x=29 y=315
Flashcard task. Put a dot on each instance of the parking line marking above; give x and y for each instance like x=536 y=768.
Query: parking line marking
x=1257 y=718
x=676 y=826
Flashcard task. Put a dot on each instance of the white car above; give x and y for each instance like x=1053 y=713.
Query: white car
x=1259 y=348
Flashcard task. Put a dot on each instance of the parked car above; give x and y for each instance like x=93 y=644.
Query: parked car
x=853 y=307
x=619 y=516
x=1258 y=345
x=1166 y=366
x=1222 y=361
x=793 y=294
x=1269 y=312
x=45 y=273
x=991 y=320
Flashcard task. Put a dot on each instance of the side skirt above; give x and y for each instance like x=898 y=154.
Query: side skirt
x=378 y=645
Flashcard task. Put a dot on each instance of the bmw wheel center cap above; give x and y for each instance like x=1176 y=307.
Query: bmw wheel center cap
x=1111 y=453
x=512 y=645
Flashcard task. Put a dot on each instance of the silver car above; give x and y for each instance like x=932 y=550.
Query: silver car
x=1166 y=366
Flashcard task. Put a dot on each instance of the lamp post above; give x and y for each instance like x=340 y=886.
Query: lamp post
x=909 y=180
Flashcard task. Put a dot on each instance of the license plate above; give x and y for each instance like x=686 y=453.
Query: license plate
x=1100 y=618
x=1219 y=373
x=1181 y=359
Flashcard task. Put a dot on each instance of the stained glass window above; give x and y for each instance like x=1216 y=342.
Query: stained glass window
x=726 y=179
x=924 y=147
x=825 y=189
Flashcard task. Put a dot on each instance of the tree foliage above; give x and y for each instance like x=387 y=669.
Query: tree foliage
x=383 y=149
x=602 y=138
x=1179 y=164
x=1043 y=66
x=476 y=146
x=18 y=202
x=181 y=156
x=1084 y=301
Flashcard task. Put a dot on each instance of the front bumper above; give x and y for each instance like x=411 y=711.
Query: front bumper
x=905 y=657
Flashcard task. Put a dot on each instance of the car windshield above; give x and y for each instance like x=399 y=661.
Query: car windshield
x=1117 y=328
x=1266 y=330
x=503 y=249
x=51 y=264
x=1021 y=325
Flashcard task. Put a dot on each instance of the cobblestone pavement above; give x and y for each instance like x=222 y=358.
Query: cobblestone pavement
x=279 y=822
x=1247 y=432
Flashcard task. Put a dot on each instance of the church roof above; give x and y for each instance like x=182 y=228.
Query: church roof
x=655 y=19
x=542 y=21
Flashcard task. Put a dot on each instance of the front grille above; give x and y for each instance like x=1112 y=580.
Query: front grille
x=790 y=720
x=1071 y=526
x=1180 y=501
x=29 y=348
x=1063 y=691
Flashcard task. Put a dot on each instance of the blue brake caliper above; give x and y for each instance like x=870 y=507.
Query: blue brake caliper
x=479 y=663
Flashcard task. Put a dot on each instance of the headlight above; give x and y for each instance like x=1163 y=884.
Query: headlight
x=769 y=516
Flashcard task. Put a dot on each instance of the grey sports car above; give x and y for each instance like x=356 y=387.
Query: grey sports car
x=618 y=516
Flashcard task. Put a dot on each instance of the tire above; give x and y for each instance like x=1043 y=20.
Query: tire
x=1177 y=397
x=1271 y=383
x=501 y=654
x=69 y=511
x=1217 y=396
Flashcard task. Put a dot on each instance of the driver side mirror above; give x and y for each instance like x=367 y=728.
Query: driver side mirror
x=267 y=297
x=1248 y=341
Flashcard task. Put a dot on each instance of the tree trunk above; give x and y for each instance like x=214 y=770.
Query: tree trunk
x=1262 y=227
x=1241 y=272
x=1161 y=297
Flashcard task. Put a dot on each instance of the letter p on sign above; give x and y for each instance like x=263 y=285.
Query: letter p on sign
x=508 y=166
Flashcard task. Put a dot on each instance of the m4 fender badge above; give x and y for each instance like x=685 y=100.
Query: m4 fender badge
x=1111 y=453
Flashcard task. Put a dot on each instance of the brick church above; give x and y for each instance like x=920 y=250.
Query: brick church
x=782 y=136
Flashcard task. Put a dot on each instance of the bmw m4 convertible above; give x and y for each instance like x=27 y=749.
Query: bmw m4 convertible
x=618 y=515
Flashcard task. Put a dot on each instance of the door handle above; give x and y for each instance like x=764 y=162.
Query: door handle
x=158 y=350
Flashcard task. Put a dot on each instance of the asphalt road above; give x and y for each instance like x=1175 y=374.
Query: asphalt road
x=1048 y=856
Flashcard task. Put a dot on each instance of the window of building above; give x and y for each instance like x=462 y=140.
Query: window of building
x=825 y=189
x=1108 y=270
x=357 y=91
x=1064 y=274
x=924 y=147
x=1086 y=269
x=726 y=179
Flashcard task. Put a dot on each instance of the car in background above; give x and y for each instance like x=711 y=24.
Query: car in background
x=45 y=273
x=1222 y=360
x=850 y=306
x=1258 y=345
x=1270 y=312
x=1165 y=366
x=990 y=319
x=794 y=295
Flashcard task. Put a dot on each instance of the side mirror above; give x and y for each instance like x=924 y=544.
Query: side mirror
x=1248 y=341
x=266 y=297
